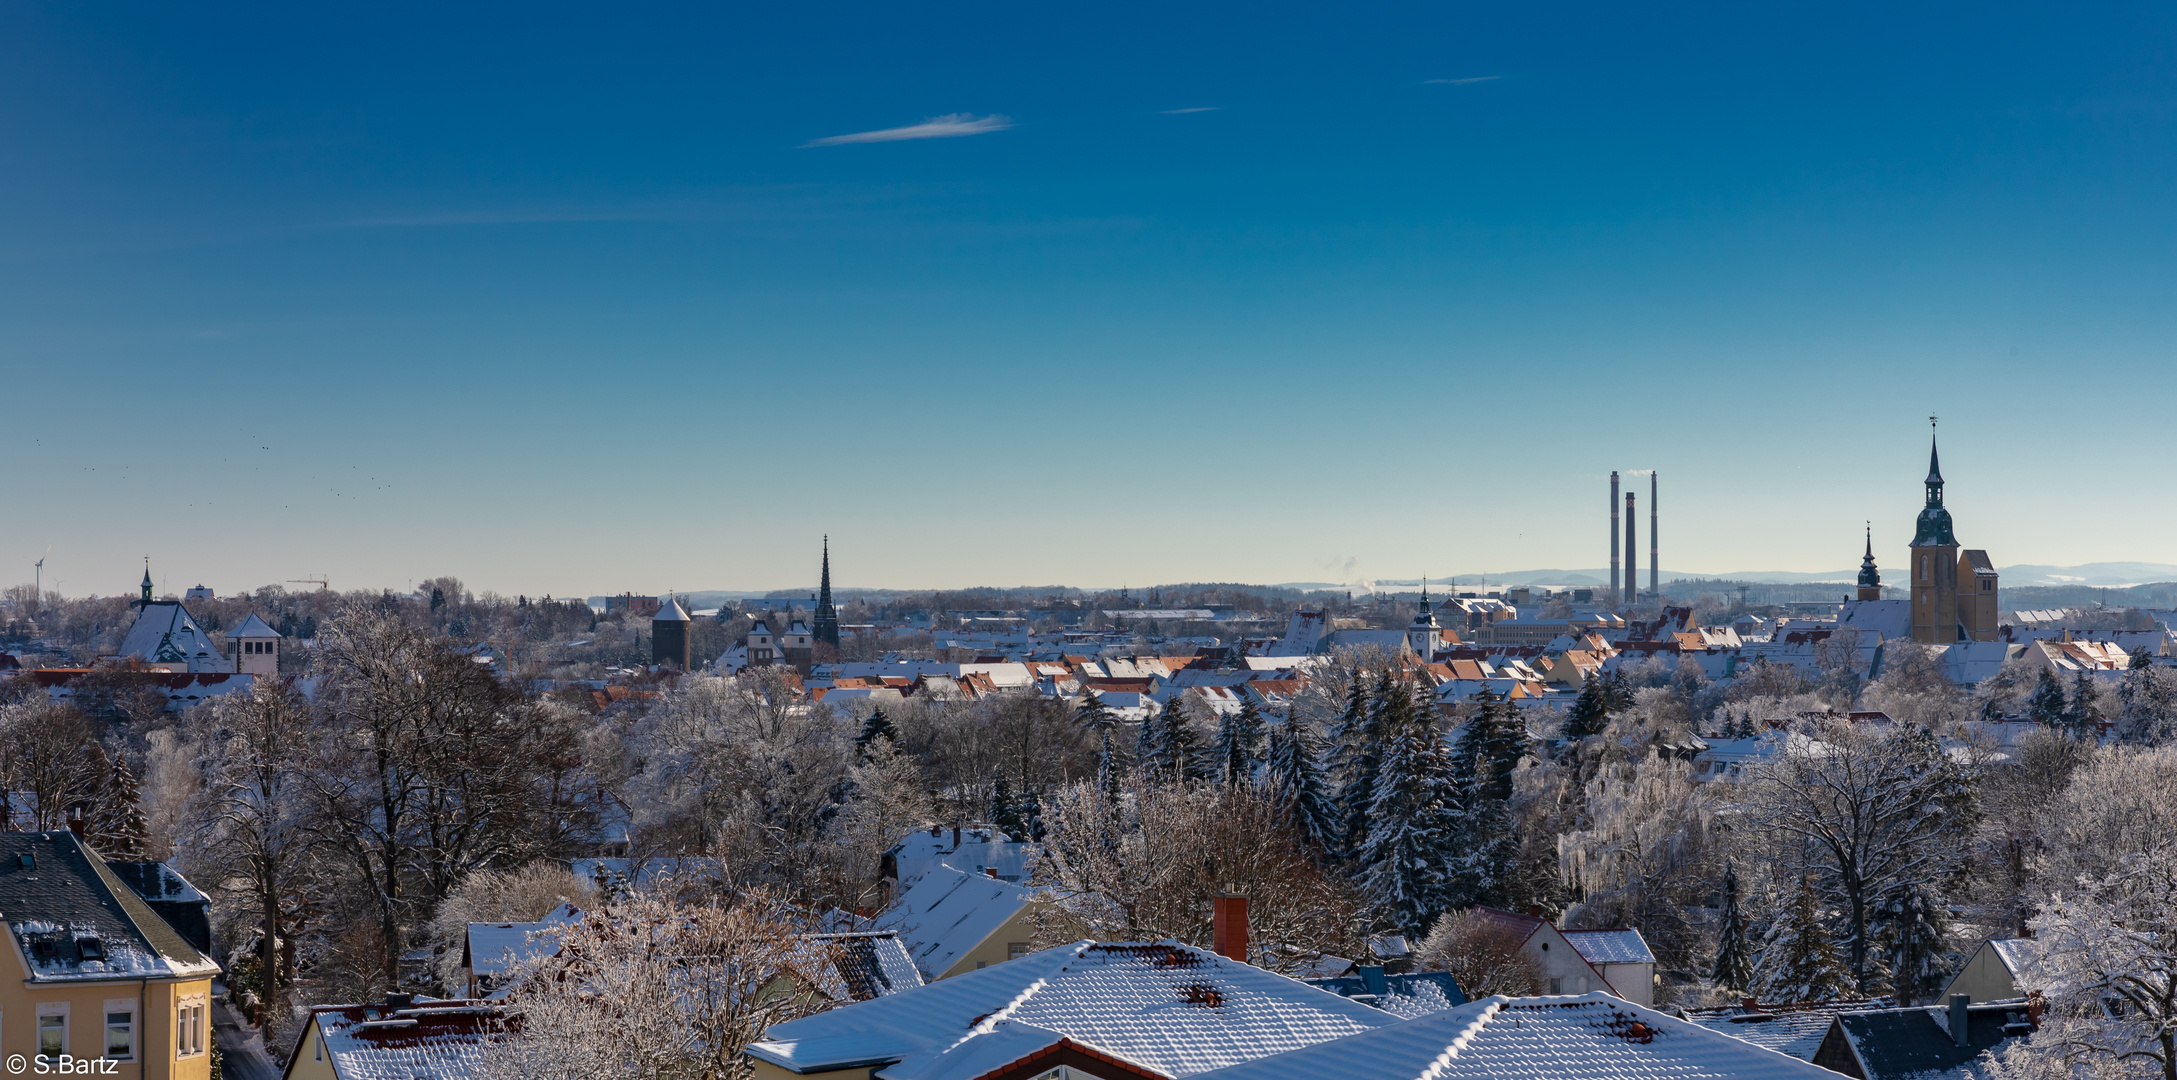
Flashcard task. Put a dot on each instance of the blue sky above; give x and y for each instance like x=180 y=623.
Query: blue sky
x=571 y=299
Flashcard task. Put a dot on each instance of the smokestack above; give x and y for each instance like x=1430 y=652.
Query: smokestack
x=1960 y=1019
x=1228 y=926
x=1615 y=591
x=1655 y=561
x=1632 y=553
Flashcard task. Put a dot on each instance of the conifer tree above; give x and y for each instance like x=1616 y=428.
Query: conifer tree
x=1031 y=816
x=876 y=726
x=1356 y=749
x=2047 y=706
x=116 y=827
x=1734 y=968
x=1178 y=753
x=1914 y=937
x=1617 y=692
x=1003 y=811
x=1145 y=744
x=1798 y=960
x=1297 y=778
x=1411 y=820
x=1239 y=743
x=1108 y=770
x=1588 y=715
x=2079 y=715
x=1091 y=712
x=1490 y=745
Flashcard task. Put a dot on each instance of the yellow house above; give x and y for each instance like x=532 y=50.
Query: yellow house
x=954 y=922
x=102 y=975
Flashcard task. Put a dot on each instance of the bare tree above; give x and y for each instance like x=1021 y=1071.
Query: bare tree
x=45 y=757
x=1483 y=956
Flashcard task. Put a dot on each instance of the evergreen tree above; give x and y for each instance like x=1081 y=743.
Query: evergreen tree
x=1914 y=937
x=1145 y=744
x=1177 y=754
x=2047 y=706
x=1588 y=715
x=1356 y=749
x=1031 y=816
x=116 y=827
x=1617 y=692
x=1734 y=968
x=1798 y=961
x=1491 y=743
x=2080 y=716
x=877 y=726
x=1411 y=822
x=1003 y=811
x=1298 y=781
x=1239 y=743
x=1091 y=712
x=438 y=599
x=1108 y=770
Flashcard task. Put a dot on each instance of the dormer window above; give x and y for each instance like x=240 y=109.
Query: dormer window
x=43 y=949
x=91 y=948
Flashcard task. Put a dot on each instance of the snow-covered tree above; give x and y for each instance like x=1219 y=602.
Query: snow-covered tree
x=1587 y=715
x=1177 y=753
x=1090 y=712
x=1239 y=743
x=1482 y=846
x=1734 y=966
x=1356 y=752
x=2081 y=715
x=2149 y=694
x=116 y=826
x=1412 y=823
x=1296 y=778
x=2108 y=973
x=2047 y=705
x=1799 y=961
x=1914 y=935
x=1863 y=812
x=876 y=726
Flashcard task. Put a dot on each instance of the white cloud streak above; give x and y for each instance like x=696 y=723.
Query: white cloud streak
x=948 y=126
x=1196 y=109
x=1461 y=82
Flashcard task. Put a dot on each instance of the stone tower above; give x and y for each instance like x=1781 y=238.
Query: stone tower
x=1424 y=635
x=1934 y=565
x=669 y=636
x=256 y=647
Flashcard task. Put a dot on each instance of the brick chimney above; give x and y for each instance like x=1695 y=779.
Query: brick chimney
x=1228 y=926
x=76 y=824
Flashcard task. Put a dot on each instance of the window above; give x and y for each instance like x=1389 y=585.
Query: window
x=1014 y=950
x=52 y=1031
x=1557 y=986
x=1924 y=568
x=121 y=1032
x=189 y=1026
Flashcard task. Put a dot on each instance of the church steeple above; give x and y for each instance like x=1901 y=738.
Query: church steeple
x=1870 y=578
x=1933 y=529
x=827 y=617
x=147 y=581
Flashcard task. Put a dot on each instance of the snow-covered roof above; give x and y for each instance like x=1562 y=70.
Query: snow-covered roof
x=1165 y=1007
x=1559 y=1038
x=252 y=627
x=2021 y=957
x=1405 y=996
x=1795 y=1029
x=74 y=920
x=434 y=1040
x=1887 y=620
x=671 y=612
x=981 y=848
x=493 y=949
x=867 y=964
x=163 y=633
x=1622 y=946
x=947 y=911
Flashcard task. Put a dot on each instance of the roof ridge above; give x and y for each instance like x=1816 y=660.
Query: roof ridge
x=1490 y=1007
x=999 y=1015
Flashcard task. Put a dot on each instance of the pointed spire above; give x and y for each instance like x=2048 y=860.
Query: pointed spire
x=147 y=579
x=827 y=616
x=1935 y=466
x=1424 y=595
x=1869 y=576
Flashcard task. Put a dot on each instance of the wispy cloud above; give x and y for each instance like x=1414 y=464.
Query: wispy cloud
x=948 y=126
x=1197 y=108
x=1461 y=82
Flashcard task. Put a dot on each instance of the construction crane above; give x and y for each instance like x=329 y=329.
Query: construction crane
x=321 y=583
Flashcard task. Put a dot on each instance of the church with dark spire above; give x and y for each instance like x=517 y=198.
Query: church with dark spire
x=1953 y=591
x=827 y=617
x=1870 y=578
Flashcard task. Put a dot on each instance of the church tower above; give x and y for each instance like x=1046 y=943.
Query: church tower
x=827 y=617
x=1424 y=635
x=1870 y=578
x=1934 y=564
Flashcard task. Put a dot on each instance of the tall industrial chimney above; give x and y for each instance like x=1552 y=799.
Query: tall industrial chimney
x=1615 y=592
x=1655 y=561
x=1632 y=550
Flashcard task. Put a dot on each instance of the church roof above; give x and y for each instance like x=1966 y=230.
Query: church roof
x=165 y=634
x=253 y=627
x=671 y=612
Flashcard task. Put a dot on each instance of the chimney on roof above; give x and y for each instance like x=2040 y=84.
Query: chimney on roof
x=1959 y=1019
x=1535 y=910
x=397 y=1002
x=990 y=871
x=956 y=837
x=1228 y=926
x=76 y=823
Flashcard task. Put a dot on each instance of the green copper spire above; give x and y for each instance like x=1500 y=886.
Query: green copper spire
x=1933 y=528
